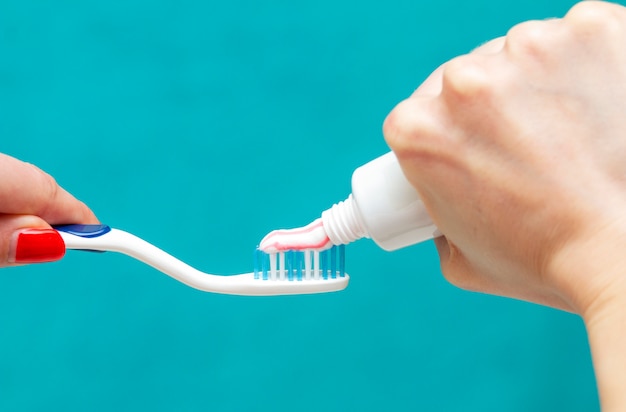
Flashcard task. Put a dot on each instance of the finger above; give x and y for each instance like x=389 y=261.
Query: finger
x=27 y=190
x=28 y=239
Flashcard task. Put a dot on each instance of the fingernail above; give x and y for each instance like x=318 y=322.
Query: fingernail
x=36 y=246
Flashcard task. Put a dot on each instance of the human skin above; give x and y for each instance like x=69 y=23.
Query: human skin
x=518 y=151
x=31 y=201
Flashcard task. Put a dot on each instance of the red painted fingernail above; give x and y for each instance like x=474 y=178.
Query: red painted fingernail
x=37 y=246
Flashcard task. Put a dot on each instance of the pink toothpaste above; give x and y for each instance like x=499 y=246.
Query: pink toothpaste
x=310 y=237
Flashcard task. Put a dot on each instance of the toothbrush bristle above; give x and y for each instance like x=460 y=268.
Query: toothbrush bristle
x=296 y=265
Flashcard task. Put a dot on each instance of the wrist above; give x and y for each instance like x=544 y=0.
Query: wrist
x=590 y=271
x=591 y=275
x=605 y=320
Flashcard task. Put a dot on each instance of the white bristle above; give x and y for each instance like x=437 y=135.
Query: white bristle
x=273 y=262
x=283 y=270
x=316 y=265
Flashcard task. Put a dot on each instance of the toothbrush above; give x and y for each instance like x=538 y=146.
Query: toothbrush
x=281 y=273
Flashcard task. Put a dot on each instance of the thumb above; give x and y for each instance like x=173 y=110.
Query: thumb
x=28 y=239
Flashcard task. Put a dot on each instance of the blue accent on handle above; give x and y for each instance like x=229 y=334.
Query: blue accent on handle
x=87 y=231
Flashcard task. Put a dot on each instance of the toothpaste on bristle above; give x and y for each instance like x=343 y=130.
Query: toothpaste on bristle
x=310 y=237
x=338 y=225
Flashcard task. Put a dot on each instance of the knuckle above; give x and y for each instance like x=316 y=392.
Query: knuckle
x=531 y=38
x=407 y=120
x=47 y=187
x=466 y=78
x=595 y=17
x=396 y=121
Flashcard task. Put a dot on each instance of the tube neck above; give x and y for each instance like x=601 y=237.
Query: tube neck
x=343 y=222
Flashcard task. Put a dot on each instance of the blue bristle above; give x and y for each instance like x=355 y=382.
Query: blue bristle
x=290 y=260
x=299 y=265
x=332 y=264
x=342 y=260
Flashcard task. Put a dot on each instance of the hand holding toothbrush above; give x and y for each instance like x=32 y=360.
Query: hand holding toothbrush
x=518 y=151
x=31 y=201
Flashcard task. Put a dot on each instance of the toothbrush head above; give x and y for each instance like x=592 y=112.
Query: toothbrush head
x=296 y=265
x=281 y=273
x=300 y=260
x=306 y=271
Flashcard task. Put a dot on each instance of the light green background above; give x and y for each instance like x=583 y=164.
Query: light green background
x=202 y=125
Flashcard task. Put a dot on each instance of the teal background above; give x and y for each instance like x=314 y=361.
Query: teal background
x=200 y=126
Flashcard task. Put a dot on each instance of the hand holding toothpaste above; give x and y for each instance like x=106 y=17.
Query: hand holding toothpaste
x=518 y=151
